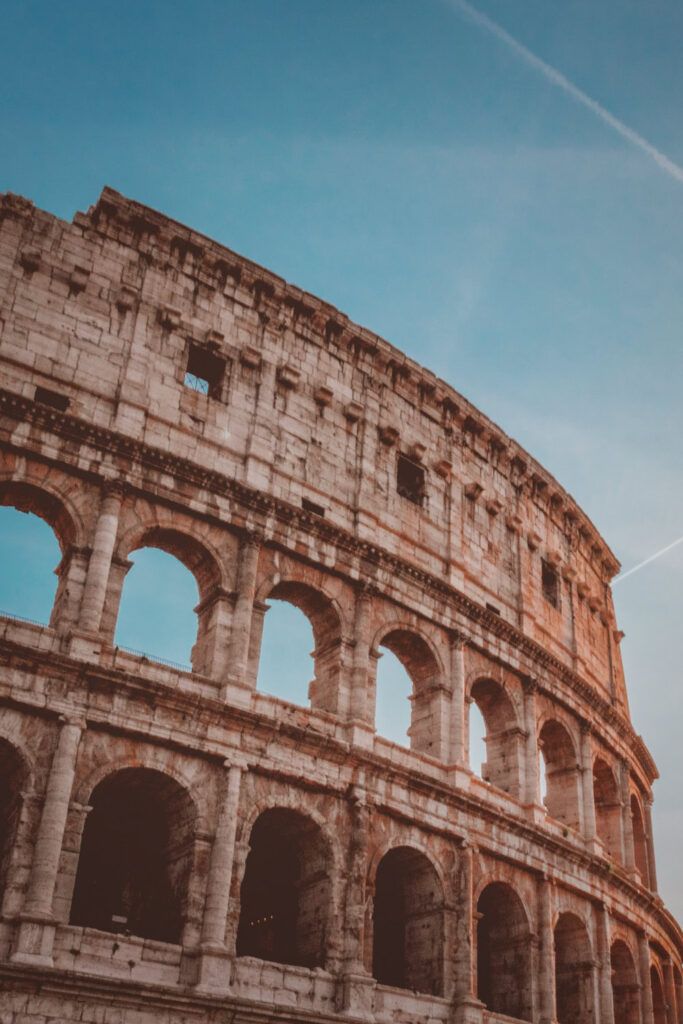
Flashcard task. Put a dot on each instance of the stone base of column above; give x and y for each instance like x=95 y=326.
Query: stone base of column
x=535 y=813
x=236 y=693
x=34 y=942
x=356 y=996
x=595 y=847
x=84 y=645
x=213 y=969
x=359 y=734
x=468 y=1010
x=459 y=777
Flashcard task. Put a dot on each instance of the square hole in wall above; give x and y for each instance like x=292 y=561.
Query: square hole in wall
x=410 y=480
x=550 y=583
x=204 y=372
x=52 y=398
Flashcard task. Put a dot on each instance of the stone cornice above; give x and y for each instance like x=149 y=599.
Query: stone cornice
x=74 y=428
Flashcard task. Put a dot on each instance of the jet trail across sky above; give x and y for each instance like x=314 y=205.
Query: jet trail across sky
x=657 y=554
x=558 y=79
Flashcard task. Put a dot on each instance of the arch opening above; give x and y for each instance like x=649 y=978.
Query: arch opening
x=574 y=989
x=640 y=852
x=658 y=1000
x=408 y=923
x=13 y=777
x=503 y=952
x=136 y=856
x=502 y=767
x=393 y=692
x=286 y=891
x=678 y=994
x=562 y=796
x=625 y=988
x=607 y=808
x=285 y=667
x=30 y=557
x=420 y=664
x=477 y=740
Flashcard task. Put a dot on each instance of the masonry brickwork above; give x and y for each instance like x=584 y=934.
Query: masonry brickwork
x=178 y=846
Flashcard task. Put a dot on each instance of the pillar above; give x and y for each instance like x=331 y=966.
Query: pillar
x=628 y=851
x=71 y=573
x=240 y=631
x=650 y=843
x=603 y=954
x=356 y=984
x=588 y=796
x=37 y=928
x=459 y=755
x=95 y=589
x=467 y=1007
x=531 y=781
x=670 y=993
x=214 y=969
x=546 y=959
x=647 y=1013
x=359 y=709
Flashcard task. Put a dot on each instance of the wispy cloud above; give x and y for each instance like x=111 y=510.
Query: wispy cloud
x=568 y=87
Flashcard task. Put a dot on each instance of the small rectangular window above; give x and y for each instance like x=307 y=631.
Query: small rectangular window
x=410 y=480
x=550 y=584
x=204 y=372
x=52 y=398
x=310 y=506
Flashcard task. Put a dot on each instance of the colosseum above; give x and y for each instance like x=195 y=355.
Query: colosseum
x=179 y=846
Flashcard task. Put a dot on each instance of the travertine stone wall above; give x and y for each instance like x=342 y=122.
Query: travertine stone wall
x=299 y=864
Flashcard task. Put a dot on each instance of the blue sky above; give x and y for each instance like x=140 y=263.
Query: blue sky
x=407 y=165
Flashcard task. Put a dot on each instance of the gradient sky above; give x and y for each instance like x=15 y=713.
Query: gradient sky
x=411 y=167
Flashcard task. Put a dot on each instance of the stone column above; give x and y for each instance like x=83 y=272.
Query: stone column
x=37 y=928
x=650 y=843
x=214 y=969
x=588 y=796
x=458 y=753
x=356 y=984
x=531 y=780
x=628 y=851
x=359 y=711
x=670 y=992
x=242 y=614
x=546 y=959
x=647 y=1013
x=466 y=1006
x=95 y=590
x=71 y=573
x=603 y=955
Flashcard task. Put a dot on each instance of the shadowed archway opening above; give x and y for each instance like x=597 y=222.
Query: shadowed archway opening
x=13 y=777
x=625 y=987
x=503 y=952
x=136 y=856
x=408 y=923
x=285 y=894
x=574 y=989
x=607 y=808
x=658 y=1000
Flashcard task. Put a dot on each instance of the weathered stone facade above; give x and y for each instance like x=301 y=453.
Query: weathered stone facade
x=177 y=845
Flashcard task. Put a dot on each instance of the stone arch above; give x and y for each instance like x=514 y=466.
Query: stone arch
x=199 y=557
x=327 y=622
x=425 y=669
x=562 y=773
x=15 y=779
x=625 y=987
x=678 y=994
x=658 y=997
x=286 y=890
x=408 y=921
x=504 y=737
x=136 y=856
x=607 y=808
x=504 y=952
x=574 y=987
x=640 y=845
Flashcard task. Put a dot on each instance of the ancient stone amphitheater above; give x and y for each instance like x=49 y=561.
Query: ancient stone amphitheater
x=178 y=846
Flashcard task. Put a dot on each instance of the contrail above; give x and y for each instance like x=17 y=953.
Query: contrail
x=558 y=79
x=657 y=554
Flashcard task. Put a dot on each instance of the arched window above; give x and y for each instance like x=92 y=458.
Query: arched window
x=607 y=808
x=13 y=776
x=562 y=776
x=419 y=662
x=625 y=988
x=503 y=952
x=29 y=555
x=393 y=691
x=639 y=841
x=285 y=893
x=658 y=1000
x=678 y=994
x=502 y=767
x=574 y=993
x=504 y=968
x=477 y=737
x=136 y=856
x=407 y=949
x=287 y=640
x=285 y=665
